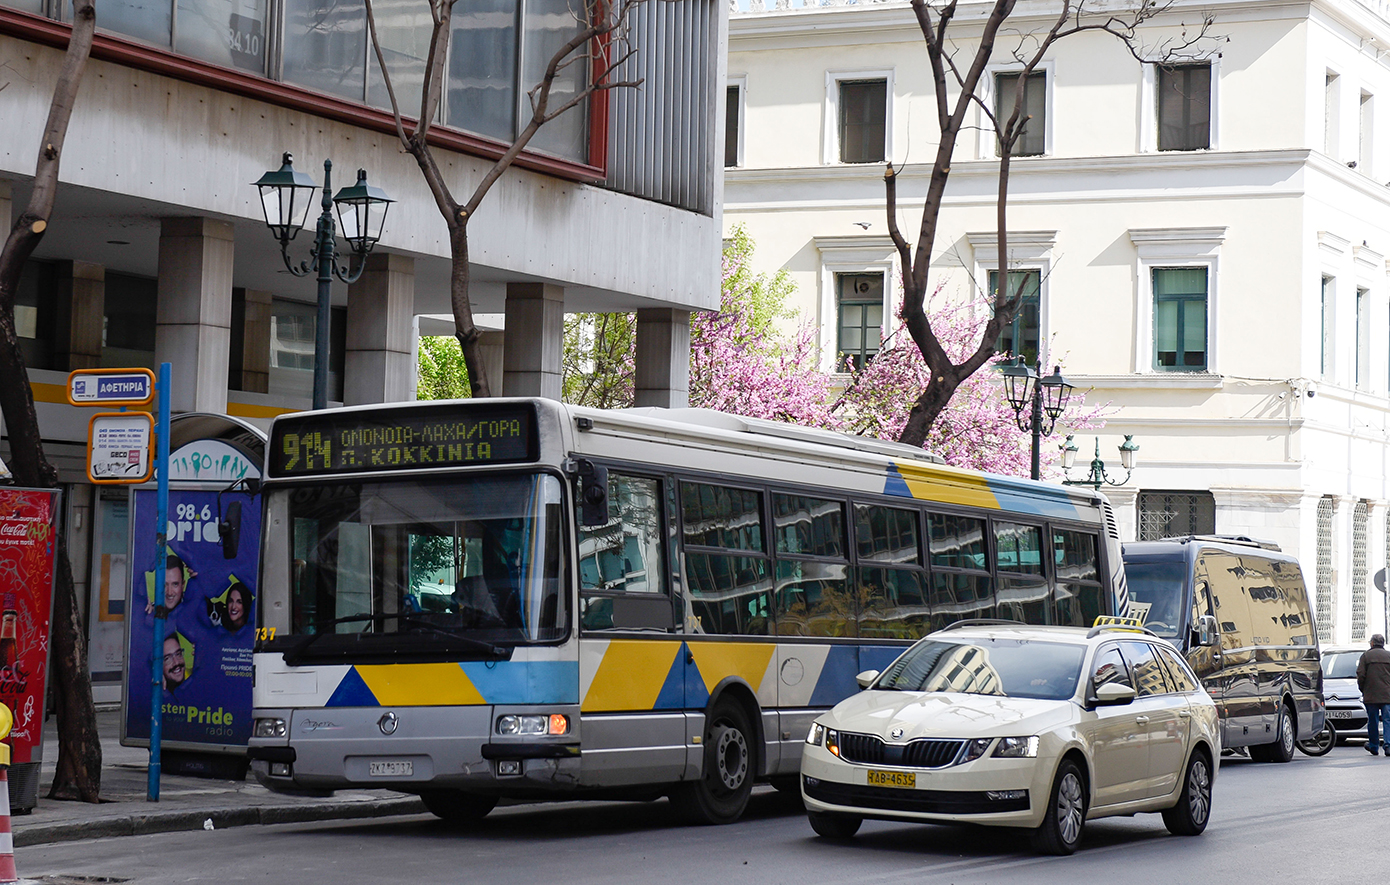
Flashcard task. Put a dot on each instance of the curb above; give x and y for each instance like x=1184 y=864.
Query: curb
x=178 y=821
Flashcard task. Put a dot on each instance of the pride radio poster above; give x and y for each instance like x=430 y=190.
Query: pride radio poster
x=28 y=543
x=205 y=661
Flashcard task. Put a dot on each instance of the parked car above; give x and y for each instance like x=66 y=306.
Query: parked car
x=1239 y=611
x=1037 y=727
x=1344 y=708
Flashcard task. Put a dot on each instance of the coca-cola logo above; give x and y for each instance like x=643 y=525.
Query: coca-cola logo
x=14 y=529
x=14 y=680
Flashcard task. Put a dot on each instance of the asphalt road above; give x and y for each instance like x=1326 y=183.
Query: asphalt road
x=1270 y=824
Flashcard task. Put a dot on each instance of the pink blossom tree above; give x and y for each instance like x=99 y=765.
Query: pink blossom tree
x=977 y=428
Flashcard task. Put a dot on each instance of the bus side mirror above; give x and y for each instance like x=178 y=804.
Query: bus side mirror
x=229 y=530
x=593 y=494
x=1206 y=632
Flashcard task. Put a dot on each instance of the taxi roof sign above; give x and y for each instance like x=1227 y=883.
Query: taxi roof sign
x=110 y=387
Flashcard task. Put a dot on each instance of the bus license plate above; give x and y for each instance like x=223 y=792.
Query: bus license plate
x=390 y=769
x=903 y=779
x=1341 y=714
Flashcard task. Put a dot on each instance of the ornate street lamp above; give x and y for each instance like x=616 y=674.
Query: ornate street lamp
x=286 y=196
x=1037 y=402
x=1098 y=475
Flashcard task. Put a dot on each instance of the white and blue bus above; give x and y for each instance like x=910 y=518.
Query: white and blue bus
x=517 y=598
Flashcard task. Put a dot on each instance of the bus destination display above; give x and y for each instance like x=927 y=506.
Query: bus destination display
x=362 y=441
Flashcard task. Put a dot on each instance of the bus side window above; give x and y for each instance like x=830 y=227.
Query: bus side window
x=1079 y=596
x=726 y=566
x=622 y=563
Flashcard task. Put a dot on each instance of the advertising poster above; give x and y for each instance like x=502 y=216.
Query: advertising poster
x=210 y=630
x=27 y=547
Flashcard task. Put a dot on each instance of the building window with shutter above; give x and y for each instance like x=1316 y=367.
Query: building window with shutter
x=859 y=309
x=1180 y=319
x=863 y=106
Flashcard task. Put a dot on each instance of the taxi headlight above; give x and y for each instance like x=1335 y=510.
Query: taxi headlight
x=832 y=741
x=816 y=734
x=975 y=749
x=1017 y=748
x=270 y=728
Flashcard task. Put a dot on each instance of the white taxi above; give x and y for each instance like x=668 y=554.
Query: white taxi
x=1009 y=725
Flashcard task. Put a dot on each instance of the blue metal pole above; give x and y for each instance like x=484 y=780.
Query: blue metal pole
x=161 y=559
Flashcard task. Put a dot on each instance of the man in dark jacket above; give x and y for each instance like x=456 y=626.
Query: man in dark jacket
x=1373 y=677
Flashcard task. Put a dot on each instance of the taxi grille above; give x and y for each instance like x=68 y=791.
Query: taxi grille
x=869 y=749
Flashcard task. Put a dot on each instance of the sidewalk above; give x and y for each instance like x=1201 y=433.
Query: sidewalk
x=185 y=803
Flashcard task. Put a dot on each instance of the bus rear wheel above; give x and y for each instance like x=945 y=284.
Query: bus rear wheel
x=456 y=806
x=721 y=794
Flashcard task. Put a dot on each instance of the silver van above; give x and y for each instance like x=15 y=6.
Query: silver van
x=1239 y=610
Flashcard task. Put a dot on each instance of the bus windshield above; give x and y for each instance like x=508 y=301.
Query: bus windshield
x=1158 y=583
x=474 y=558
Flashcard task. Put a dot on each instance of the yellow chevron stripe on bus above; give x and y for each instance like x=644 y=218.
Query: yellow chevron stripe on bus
x=631 y=675
x=410 y=685
x=718 y=660
x=964 y=489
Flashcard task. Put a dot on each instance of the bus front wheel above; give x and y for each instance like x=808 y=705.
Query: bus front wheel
x=456 y=806
x=721 y=794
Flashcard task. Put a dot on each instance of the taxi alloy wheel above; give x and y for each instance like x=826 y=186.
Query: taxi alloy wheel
x=1190 y=815
x=1065 y=820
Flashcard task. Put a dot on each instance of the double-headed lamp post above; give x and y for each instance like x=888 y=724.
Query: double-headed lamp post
x=1037 y=402
x=286 y=196
x=1098 y=475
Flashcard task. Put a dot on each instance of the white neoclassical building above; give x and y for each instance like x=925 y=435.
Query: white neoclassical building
x=1204 y=245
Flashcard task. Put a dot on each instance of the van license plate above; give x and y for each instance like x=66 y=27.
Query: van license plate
x=1341 y=714
x=902 y=779
x=390 y=769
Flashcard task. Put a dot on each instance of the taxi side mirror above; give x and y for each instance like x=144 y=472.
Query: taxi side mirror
x=1114 y=694
x=866 y=678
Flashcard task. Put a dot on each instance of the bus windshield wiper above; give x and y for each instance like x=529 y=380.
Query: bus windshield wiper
x=295 y=654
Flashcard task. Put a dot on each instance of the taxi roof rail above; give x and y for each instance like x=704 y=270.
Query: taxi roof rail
x=1120 y=628
x=983 y=622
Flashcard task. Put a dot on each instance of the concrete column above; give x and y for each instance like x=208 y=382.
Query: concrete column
x=255 y=341
x=1124 y=500
x=534 y=340
x=378 y=365
x=1377 y=616
x=1341 y=568
x=78 y=315
x=193 y=324
x=492 y=347
x=662 y=374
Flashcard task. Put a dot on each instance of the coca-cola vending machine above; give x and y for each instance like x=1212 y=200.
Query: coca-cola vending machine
x=28 y=544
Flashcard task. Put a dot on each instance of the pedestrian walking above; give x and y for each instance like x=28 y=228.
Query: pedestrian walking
x=1373 y=678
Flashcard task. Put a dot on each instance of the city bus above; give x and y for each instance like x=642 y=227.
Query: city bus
x=516 y=598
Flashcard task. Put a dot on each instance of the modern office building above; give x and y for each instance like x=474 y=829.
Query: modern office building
x=157 y=250
x=1203 y=244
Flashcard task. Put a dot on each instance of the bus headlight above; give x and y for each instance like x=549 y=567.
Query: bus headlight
x=270 y=728
x=553 y=723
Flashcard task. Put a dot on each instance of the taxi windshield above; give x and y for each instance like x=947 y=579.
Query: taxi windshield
x=1015 y=668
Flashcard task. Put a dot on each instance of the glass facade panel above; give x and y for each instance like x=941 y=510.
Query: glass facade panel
x=325 y=47
x=292 y=336
x=548 y=25
x=482 y=68
x=403 y=27
x=230 y=33
x=149 y=20
x=128 y=333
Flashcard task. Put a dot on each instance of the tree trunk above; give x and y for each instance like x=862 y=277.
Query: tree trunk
x=79 y=750
x=464 y=329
